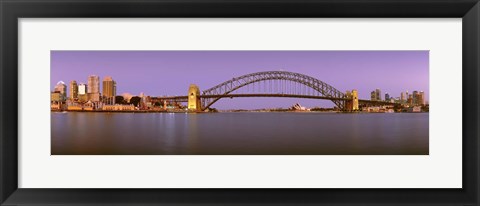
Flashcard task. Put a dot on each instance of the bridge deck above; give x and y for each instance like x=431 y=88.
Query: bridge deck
x=185 y=98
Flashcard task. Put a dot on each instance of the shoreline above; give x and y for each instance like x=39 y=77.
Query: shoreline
x=243 y=111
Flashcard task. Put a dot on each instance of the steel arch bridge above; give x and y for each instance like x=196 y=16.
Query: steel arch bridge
x=274 y=84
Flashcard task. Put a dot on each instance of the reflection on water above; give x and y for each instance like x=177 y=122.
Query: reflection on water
x=246 y=133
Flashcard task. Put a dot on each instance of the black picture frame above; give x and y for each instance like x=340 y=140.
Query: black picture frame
x=11 y=10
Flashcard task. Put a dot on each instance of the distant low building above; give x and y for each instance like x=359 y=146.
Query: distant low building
x=56 y=106
x=74 y=107
x=56 y=96
x=118 y=107
x=415 y=109
x=83 y=97
x=299 y=107
x=127 y=96
x=379 y=109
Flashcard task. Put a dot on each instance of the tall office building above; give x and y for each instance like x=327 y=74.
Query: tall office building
x=93 y=84
x=415 y=97
x=410 y=99
x=82 y=92
x=378 y=93
x=421 y=98
x=73 y=90
x=62 y=88
x=387 y=97
x=82 y=88
x=109 y=90
x=402 y=97
x=109 y=87
x=373 y=96
x=93 y=88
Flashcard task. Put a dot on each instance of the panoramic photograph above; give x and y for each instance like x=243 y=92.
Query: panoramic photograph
x=256 y=102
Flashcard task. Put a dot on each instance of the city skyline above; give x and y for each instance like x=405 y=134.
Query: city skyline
x=159 y=73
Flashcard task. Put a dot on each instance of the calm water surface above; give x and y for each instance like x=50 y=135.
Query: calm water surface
x=285 y=133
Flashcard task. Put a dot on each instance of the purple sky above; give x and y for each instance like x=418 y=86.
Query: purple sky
x=159 y=73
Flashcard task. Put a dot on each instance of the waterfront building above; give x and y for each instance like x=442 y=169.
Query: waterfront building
x=93 y=88
x=55 y=106
x=89 y=106
x=299 y=107
x=73 y=90
x=378 y=93
x=143 y=101
x=94 y=97
x=118 y=107
x=57 y=99
x=127 y=96
x=82 y=88
x=56 y=96
x=93 y=84
x=82 y=97
x=109 y=90
x=82 y=92
x=109 y=87
x=74 y=107
x=415 y=109
x=421 y=98
x=62 y=88
x=415 y=97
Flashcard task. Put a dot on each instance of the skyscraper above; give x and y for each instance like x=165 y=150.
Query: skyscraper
x=373 y=96
x=93 y=88
x=73 y=90
x=82 y=92
x=421 y=98
x=410 y=99
x=415 y=97
x=109 y=90
x=93 y=84
x=402 y=97
x=82 y=89
x=387 y=97
x=378 y=93
x=62 y=88
x=109 y=87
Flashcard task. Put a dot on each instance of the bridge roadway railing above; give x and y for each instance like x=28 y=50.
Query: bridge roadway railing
x=185 y=98
x=270 y=95
x=215 y=96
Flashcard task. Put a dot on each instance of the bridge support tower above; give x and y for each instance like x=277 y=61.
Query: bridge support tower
x=352 y=104
x=194 y=103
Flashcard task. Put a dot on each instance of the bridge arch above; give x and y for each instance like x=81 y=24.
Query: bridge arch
x=227 y=87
